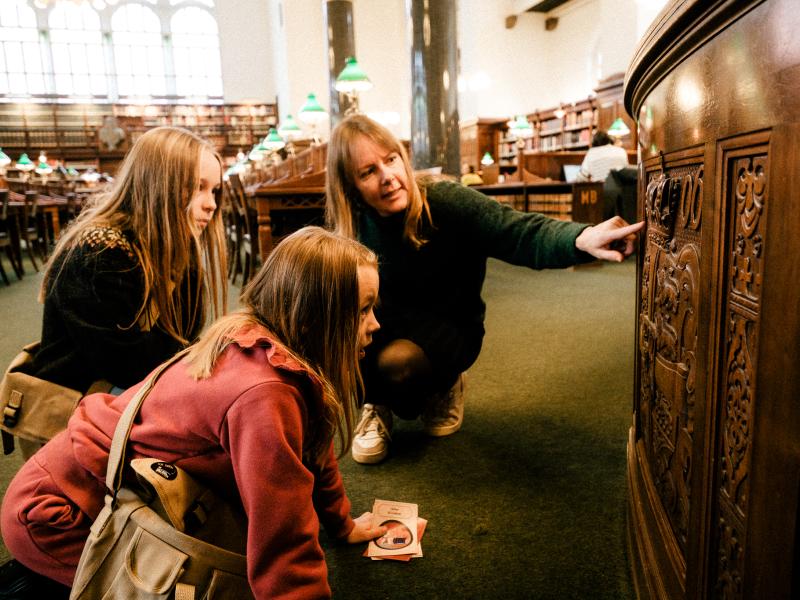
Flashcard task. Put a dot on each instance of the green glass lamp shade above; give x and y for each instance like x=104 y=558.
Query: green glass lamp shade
x=273 y=141
x=5 y=160
x=618 y=128
x=289 y=129
x=311 y=111
x=352 y=78
x=24 y=163
x=72 y=171
x=258 y=151
x=520 y=127
x=43 y=168
x=487 y=160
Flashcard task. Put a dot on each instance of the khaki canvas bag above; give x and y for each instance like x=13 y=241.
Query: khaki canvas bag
x=166 y=536
x=35 y=410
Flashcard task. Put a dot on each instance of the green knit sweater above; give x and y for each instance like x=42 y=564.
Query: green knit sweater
x=444 y=277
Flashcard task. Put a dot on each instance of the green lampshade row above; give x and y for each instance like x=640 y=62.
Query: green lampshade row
x=352 y=78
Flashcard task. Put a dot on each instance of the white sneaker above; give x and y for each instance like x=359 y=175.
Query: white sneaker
x=373 y=434
x=445 y=412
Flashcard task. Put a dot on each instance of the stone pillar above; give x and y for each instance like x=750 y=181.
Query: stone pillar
x=341 y=45
x=434 y=85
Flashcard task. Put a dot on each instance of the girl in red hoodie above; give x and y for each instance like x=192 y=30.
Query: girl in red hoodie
x=251 y=412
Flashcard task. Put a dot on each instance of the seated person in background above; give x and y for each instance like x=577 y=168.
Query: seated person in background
x=131 y=279
x=471 y=177
x=601 y=158
x=433 y=239
x=251 y=412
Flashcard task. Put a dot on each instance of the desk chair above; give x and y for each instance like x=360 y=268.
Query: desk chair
x=619 y=194
x=9 y=238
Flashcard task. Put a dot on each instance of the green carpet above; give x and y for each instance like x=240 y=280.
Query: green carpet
x=528 y=499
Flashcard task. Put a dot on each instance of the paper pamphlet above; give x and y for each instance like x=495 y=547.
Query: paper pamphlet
x=401 y=537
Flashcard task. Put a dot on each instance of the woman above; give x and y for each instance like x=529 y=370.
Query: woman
x=130 y=281
x=251 y=412
x=432 y=240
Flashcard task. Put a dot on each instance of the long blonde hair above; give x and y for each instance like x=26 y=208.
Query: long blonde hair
x=150 y=198
x=306 y=295
x=343 y=200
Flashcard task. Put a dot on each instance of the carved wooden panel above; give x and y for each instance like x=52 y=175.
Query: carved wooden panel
x=744 y=194
x=668 y=335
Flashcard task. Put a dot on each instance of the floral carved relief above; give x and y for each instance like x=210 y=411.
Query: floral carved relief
x=668 y=336
x=748 y=184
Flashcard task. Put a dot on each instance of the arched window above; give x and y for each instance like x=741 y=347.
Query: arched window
x=76 y=44
x=21 y=58
x=138 y=51
x=195 y=49
x=111 y=50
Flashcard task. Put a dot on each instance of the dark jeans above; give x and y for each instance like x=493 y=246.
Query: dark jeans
x=450 y=350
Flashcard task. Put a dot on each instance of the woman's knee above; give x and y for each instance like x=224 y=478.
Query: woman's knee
x=403 y=362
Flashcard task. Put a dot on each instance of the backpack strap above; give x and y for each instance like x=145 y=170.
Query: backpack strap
x=116 y=456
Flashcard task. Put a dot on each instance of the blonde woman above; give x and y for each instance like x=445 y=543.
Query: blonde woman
x=130 y=281
x=432 y=239
x=251 y=411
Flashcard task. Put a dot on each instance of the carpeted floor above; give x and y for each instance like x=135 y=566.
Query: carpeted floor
x=528 y=499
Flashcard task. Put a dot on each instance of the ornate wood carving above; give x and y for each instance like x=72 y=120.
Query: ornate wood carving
x=745 y=175
x=668 y=335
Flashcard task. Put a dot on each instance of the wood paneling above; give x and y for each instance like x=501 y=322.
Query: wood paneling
x=714 y=451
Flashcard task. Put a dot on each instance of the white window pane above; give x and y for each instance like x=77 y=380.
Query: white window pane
x=2 y=58
x=122 y=56
x=212 y=62
x=157 y=86
x=155 y=58
x=181 y=86
x=81 y=83
x=60 y=58
x=215 y=86
x=73 y=16
x=9 y=17
x=98 y=85
x=141 y=83
x=4 y=83
x=33 y=59
x=27 y=17
x=14 y=57
x=125 y=85
x=18 y=35
x=96 y=60
x=181 y=58
x=63 y=83
x=77 y=55
x=17 y=83
x=36 y=83
x=57 y=18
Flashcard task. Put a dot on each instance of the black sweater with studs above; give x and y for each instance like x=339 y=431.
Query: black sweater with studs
x=90 y=329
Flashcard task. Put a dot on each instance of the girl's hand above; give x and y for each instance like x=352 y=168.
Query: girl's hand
x=610 y=240
x=364 y=531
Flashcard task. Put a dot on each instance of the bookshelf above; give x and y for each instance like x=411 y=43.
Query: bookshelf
x=479 y=136
x=69 y=132
x=566 y=128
